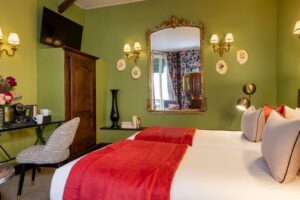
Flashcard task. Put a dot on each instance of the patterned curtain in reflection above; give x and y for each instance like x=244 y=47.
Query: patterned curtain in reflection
x=181 y=64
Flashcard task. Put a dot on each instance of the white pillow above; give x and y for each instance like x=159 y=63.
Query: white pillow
x=291 y=113
x=252 y=125
x=281 y=147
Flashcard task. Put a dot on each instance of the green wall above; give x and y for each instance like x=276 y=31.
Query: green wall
x=253 y=23
x=24 y=17
x=288 y=66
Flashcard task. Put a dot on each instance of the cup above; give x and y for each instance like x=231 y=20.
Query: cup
x=45 y=112
x=38 y=119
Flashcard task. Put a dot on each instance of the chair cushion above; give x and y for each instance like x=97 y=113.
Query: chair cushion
x=30 y=154
x=281 y=147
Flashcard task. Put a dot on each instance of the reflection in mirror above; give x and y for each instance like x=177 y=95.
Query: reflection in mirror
x=176 y=67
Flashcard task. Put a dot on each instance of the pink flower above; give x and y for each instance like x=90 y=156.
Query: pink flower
x=12 y=81
x=2 y=99
x=8 y=97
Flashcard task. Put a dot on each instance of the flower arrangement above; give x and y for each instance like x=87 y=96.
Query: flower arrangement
x=7 y=85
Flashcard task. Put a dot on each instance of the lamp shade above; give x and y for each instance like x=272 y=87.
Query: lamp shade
x=229 y=38
x=214 y=39
x=249 y=88
x=1 y=35
x=243 y=103
x=297 y=28
x=13 y=39
x=127 y=48
x=137 y=46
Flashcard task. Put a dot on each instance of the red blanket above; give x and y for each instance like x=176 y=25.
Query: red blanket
x=125 y=170
x=167 y=134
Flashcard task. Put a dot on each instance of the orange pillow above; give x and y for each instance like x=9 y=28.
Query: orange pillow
x=268 y=109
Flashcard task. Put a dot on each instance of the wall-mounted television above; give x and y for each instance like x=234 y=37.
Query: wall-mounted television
x=59 y=31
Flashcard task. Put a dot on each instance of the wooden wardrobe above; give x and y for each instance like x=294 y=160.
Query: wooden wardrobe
x=69 y=77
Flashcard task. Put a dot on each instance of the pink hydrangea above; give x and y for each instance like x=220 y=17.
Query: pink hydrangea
x=2 y=99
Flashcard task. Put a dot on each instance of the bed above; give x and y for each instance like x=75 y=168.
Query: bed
x=221 y=165
x=220 y=138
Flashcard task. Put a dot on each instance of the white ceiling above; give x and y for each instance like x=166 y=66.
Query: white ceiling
x=90 y=4
x=176 y=39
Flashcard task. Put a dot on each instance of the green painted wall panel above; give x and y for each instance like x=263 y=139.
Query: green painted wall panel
x=288 y=65
x=50 y=68
x=22 y=66
x=24 y=17
x=253 y=23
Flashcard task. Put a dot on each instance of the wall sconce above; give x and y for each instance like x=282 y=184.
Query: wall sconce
x=136 y=51
x=245 y=102
x=297 y=28
x=220 y=46
x=13 y=40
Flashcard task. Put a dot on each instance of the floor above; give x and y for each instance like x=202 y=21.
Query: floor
x=39 y=191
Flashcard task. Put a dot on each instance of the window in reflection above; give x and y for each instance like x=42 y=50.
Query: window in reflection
x=171 y=79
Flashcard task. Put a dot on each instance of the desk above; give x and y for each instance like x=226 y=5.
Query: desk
x=39 y=132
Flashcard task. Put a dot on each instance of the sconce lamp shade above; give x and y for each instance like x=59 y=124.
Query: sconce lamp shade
x=13 y=39
x=214 y=39
x=137 y=46
x=1 y=35
x=297 y=28
x=249 y=88
x=243 y=103
x=229 y=38
x=127 y=48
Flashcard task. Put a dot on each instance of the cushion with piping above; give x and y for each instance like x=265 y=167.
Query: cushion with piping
x=291 y=113
x=252 y=124
x=281 y=147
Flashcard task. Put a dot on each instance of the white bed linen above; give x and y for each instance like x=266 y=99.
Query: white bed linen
x=232 y=139
x=223 y=166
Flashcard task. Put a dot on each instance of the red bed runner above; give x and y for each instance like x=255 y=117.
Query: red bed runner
x=167 y=134
x=128 y=169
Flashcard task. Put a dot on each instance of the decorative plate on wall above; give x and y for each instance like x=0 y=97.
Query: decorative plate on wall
x=121 y=65
x=242 y=56
x=136 y=72
x=221 y=67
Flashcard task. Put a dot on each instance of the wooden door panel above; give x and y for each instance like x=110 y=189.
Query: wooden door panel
x=81 y=99
x=83 y=81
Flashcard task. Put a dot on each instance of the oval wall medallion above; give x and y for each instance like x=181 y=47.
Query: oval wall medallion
x=221 y=67
x=242 y=56
x=136 y=72
x=121 y=65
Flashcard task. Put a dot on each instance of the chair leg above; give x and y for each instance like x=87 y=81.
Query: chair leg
x=23 y=170
x=33 y=174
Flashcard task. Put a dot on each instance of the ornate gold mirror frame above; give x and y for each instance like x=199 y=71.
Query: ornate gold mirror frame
x=175 y=23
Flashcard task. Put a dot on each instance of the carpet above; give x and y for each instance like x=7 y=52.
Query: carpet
x=39 y=191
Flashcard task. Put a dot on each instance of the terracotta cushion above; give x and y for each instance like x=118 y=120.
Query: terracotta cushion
x=268 y=109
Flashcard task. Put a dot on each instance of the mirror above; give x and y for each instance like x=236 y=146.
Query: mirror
x=176 y=71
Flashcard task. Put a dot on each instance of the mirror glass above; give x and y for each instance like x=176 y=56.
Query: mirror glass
x=176 y=67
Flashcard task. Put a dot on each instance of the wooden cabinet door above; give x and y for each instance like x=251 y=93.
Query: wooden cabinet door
x=80 y=99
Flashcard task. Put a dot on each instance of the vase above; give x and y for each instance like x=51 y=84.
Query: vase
x=114 y=114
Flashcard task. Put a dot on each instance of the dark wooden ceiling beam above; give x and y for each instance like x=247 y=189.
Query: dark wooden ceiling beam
x=65 y=5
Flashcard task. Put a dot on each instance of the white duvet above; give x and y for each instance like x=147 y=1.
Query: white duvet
x=221 y=165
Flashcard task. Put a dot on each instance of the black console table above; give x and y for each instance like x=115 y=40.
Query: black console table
x=39 y=132
x=122 y=129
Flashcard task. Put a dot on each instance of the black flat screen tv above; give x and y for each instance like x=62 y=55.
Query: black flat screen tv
x=59 y=31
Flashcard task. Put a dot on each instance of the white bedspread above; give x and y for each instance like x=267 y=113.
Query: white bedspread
x=223 y=166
